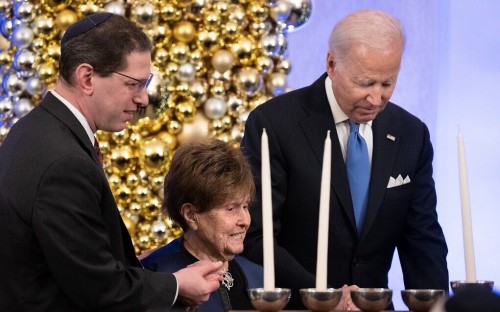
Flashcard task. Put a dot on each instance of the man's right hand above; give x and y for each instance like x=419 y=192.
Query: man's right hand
x=197 y=281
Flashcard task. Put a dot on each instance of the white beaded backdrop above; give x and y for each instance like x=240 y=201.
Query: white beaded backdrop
x=213 y=62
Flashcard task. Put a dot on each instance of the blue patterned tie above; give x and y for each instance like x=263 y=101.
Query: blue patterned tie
x=358 y=172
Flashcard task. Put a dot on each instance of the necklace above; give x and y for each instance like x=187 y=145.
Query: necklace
x=228 y=280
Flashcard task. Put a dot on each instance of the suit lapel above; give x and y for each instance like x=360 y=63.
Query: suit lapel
x=61 y=112
x=385 y=146
x=316 y=126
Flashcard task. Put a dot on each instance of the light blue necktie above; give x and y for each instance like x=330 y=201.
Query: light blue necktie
x=358 y=172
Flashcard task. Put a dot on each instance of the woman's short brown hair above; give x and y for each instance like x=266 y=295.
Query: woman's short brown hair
x=205 y=173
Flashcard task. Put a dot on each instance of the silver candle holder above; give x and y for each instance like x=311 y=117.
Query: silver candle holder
x=269 y=300
x=320 y=300
x=459 y=286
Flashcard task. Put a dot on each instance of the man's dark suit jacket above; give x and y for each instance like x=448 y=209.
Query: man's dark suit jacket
x=402 y=217
x=63 y=245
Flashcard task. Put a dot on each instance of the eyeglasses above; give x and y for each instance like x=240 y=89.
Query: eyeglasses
x=141 y=83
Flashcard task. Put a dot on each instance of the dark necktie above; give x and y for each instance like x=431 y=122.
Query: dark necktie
x=358 y=172
x=98 y=152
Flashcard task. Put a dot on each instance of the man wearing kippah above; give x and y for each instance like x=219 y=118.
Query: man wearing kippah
x=63 y=245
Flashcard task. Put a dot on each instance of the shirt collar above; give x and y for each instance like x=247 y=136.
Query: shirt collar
x=77 y=114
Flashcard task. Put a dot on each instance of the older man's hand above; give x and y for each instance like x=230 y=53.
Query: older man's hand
x=346 y=303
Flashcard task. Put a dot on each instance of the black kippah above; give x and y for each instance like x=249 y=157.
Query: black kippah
x=84 y=25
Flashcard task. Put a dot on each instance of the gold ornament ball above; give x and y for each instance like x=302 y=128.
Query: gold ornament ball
x=169 y=139
x=43 y=27
x=237 y=134
x=143 y=241
x=120 y=137
x=142 y=126
x=216 y=126
x=225 y=137
x=230 y=30
x=182 y=87
x=88 y=8
x=53 y=51
x=160 y=57
x=264 y=64
x=196 y=129
x=185 y=111
x=174 y=126
x=184 y=31
x=248 y=80
x=132 y=180
x=5 y=57
x=154 y=156
x=222 y=7
x=276 y=83
x=198 y=90
x=259 y=29
x=284 y=66
x=238 y=14
x=38 y=44
x=134 y=208
x=179 y=52
x=114 y=181
x=55 y=5
x=209 y=40
x=234 y=105
x=227 y=123
x=222 y=60
x=134 y=139
x=218 y=89
x=169 y=12
x=225 y=78
x=123 y=160
x=156 y=183
x=123 y=194
x=158 y=229
x=182 y=3
x=257 y=11
x=244 y=50
x=47 y=72
x=144 y=14
x=141 y=193
x=212 y=19
x=160 y=35
x=65 y=18
x=151 y=208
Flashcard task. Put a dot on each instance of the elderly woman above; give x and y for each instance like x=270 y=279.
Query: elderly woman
x=207 y=192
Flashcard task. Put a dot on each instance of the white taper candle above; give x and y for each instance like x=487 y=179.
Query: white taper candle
x=470 y=269
x=267 y=215
x=324 y=216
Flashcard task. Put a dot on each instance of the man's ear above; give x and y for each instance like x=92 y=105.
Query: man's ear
x=189 y=213
x=84 y=75
x=331 y=63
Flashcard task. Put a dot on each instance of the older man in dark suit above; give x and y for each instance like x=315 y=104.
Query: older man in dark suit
x=396 y=204
x=63 y=245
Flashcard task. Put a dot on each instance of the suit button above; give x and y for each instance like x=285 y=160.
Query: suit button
x=355 y=262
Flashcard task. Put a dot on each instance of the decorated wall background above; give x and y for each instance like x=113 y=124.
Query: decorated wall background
x=213 y=62
x=449 y=78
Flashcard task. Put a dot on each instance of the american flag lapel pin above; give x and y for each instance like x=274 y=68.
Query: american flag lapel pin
x=391 y=137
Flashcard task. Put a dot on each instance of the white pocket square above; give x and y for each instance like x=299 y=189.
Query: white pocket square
x=398 y=181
